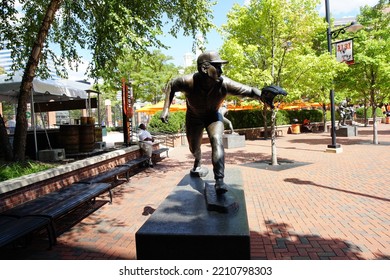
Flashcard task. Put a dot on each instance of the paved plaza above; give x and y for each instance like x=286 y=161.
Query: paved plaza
x=313 y=205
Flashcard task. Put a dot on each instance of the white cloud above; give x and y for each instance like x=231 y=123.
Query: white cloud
x=80 y=74
x=346 y=7
x=350 y=5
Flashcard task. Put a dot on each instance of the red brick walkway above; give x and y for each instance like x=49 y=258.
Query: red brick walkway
x=315 y=205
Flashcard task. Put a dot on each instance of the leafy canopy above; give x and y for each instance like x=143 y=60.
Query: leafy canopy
x=103 y=27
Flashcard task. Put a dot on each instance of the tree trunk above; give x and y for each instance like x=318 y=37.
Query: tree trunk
x=324 y=118
x=365 y=114
x=4 y=141
x=274 y=160
x=26 y=86
x=264 y=113
x=374 y=126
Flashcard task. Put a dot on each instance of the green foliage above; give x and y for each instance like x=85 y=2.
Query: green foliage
x=105 y=28
x=239 y=119
x=271 y=42
x=254 y=118
x=150 y=73
x=283 y=117
x=360 y=112
x=368 y=80
x=14 y=170
x=301 y=115
x=246 y=118
x=176 y=123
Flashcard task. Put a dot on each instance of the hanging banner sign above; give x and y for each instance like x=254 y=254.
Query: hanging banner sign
x=344 y=51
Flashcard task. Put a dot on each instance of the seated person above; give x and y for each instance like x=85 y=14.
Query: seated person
x=145 y=142
x=306 y=126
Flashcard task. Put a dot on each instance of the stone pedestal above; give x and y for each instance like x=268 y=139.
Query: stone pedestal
x=231 y=141
x=347 y=131
x=183 y=228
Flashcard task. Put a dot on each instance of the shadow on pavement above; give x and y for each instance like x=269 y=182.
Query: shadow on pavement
x=303 y=182
x=280 y=242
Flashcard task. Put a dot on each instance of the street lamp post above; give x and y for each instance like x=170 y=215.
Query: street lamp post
x=353 y=27
x=332 y=109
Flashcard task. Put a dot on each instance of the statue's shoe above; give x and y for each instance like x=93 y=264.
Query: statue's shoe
x=199 y=172
x=220 y=188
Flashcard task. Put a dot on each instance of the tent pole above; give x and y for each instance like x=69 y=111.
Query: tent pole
x=33 y=122
x=98 y=109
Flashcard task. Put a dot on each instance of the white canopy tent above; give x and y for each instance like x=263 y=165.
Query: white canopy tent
x=43 y=91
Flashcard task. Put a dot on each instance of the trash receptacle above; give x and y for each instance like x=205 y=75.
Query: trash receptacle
x=295 y=128
x=104 y=130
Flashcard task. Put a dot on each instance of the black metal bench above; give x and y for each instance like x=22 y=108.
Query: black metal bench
x=41 y=212
x=113 y=175
x=12 y=230
x=157 y=153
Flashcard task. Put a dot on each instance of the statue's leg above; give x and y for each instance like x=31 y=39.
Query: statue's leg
x=229 y=123
x=215 y=131
x=194 y=131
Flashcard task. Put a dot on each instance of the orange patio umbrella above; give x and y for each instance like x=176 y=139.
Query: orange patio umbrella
x=154 y=108
x=232 y=107
x=299 y=105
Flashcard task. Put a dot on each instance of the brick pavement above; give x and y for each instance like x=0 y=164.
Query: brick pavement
x=314 y=205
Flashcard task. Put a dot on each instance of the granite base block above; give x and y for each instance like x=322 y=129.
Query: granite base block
x=347 y=131
x=183 y=228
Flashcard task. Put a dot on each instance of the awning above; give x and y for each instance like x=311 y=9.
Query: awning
x=44 y=90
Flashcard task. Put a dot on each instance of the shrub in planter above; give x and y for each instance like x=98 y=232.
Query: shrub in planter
x=360 y=112
x=245 y=118
x=176 y=123
x=300 y=115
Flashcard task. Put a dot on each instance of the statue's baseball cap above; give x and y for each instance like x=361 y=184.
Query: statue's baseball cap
x=212 y=57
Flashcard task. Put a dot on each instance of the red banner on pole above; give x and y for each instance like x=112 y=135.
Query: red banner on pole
x=127 y=108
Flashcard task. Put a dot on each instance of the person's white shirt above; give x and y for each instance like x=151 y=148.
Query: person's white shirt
x=144 y=134
x=11 y=123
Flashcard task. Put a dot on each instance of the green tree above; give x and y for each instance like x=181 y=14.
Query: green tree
x=263 y=40
x=106 y=28
x=368 y=80
x=148 y=74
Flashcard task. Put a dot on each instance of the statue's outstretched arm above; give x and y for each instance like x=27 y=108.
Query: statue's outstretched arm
x=169 y=95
